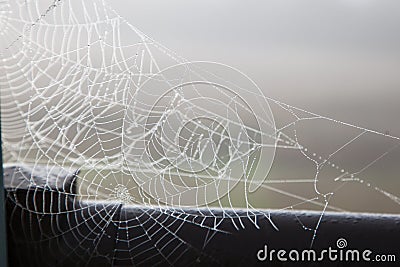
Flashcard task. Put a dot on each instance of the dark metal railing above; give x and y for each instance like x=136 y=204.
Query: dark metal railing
x=49 y=226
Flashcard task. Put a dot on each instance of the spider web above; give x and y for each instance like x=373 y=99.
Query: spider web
x=146 y=128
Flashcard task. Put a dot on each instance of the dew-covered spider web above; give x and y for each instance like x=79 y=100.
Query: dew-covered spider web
x=135 y=125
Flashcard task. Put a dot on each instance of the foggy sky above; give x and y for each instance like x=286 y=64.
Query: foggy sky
x=340 y=59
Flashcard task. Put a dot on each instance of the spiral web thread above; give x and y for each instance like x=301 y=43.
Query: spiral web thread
x=78 y=94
